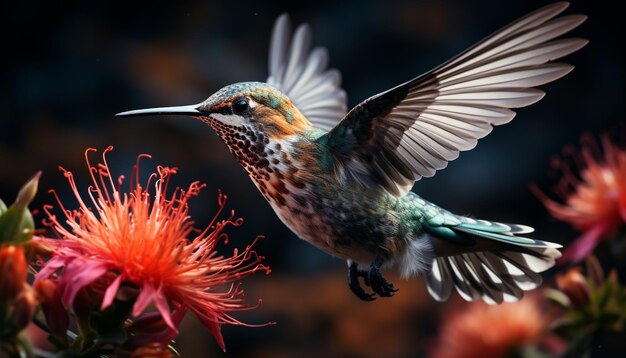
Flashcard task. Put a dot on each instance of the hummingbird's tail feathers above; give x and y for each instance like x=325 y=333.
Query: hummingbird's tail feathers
x=492 y=226
x=494 y=276
x=497 y=265
x=507 y=237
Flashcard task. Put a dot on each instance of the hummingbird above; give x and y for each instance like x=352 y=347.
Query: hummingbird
x=341 y=180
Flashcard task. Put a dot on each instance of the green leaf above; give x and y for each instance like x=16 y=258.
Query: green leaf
x=16 y=226
x=16 y=221
x=27 y=192
x=571 y=325
x=558 y=297
x=609 y=319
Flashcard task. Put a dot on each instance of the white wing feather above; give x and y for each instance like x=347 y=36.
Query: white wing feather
x=411 y=131
x=303 y=76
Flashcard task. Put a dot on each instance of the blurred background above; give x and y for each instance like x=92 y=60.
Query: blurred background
x=67 y=69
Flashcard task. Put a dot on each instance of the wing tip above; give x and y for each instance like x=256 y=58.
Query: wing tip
x=305 y=29
x=557 y=70
x=566 y=68
x=521 y=229
x=539 y=94
x=580 y=42
x=560 y=6
x=282 y=23
x=578 y=19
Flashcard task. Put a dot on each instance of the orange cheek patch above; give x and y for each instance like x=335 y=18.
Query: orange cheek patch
x=274 y=121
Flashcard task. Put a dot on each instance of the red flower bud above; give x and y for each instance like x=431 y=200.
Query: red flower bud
x=13 y=270
x=594 y=270
x=574 y=285
x=23 y=309
x=49 y=294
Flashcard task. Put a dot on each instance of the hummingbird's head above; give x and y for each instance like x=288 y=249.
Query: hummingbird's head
x=245 y=107
x=254 y=120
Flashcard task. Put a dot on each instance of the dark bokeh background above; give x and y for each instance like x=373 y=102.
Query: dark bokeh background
x=66 y=69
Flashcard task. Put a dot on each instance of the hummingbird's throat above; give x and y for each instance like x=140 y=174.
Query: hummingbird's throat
x=246 y=144
x=268 y=164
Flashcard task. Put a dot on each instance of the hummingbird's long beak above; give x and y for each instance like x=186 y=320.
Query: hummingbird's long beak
x=191 y=110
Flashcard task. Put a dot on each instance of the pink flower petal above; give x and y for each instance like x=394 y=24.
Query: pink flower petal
x=584 y=245
x=164 y=308
x=146 y=294
x=77 y=275
x=51 y=267
x=110 y=293
x=216 y=331
x=214 y=328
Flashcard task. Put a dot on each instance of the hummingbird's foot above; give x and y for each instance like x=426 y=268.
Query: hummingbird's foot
x=376 y=280
x=353 y=281
x=372 y=278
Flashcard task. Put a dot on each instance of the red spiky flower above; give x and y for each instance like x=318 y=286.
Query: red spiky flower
x=594 y=199
x=140 y=238
x=481 y=330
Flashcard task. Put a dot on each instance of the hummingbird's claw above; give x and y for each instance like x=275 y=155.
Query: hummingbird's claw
x=372 y=278
x=378 y=283
x=353 y=282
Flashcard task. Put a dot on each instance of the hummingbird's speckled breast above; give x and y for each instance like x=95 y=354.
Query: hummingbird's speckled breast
x=342 y=219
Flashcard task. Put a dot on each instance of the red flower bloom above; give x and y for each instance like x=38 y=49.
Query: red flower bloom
x=141 y=238
x=482 y=330
x=595 y=201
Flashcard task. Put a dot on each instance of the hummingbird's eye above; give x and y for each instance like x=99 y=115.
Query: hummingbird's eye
x=240 y=105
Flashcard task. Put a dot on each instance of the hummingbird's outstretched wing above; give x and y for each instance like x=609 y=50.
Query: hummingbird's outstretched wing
x=397 y=137
x=303 y=76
